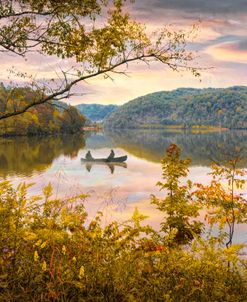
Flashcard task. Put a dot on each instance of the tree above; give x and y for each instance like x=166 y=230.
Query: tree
x=97 y=36
x=226 y=206
x=178 y=205
x=54 y=117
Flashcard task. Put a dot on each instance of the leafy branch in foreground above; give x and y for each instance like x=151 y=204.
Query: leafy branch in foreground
x=74 y=31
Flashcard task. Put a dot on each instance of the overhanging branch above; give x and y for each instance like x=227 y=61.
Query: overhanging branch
x=60 y=94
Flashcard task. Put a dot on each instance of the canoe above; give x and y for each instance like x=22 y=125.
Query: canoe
x=119 y=159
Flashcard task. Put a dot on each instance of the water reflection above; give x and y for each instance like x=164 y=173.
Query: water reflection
x=24 y=156
x=203 y=148
x=111 y=166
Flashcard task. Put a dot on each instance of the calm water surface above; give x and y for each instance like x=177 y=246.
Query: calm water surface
x=116 y=190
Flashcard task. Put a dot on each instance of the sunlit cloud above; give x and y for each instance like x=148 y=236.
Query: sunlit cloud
x=220 y=24
x=229 y=51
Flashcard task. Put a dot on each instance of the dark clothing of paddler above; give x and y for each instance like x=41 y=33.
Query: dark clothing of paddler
x=88 y=155
x=111 y=156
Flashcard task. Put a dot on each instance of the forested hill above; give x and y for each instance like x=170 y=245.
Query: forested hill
x=184 y=107
x=55 y=117
x=96 y=112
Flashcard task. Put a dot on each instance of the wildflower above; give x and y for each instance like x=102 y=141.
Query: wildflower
x=44 y=266
x=74 y=259
x=36 y=256
x=160 y=248
x=43 y=245
x=64 y=249
x=81 y=272
x=38 y=243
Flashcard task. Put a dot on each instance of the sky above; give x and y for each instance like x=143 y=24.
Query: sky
x=221 y=46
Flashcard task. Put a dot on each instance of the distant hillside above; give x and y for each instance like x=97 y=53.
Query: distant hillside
x=184 y=107
x=96 y=112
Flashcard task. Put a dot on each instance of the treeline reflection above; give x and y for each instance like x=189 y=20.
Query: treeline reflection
x=202 y=147
x=25 y=155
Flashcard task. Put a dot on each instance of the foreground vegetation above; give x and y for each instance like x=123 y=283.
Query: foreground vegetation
x=184 y=108
x=49 y=251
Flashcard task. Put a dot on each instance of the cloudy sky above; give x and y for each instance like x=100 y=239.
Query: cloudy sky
x=221 y=43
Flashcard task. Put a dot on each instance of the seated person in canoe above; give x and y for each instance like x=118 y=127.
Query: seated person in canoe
x=89 y=156
x=111 y=156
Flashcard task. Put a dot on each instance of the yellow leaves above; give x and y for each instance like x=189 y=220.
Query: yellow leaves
x=66 y=217
x=93 y=235
x=64 y=250
x=56 y=114
x=43 y=245
x=222 y=222
x=231 y=252
x=36 y=256
x=51 y=224
x=34 y=199
x=79 y=285
x=52 y=235
x=29 y=236
x=81 y=272
x=44 y=266
x=47 y=191
x=137 y=217
x=4 y=186
x=38 y=243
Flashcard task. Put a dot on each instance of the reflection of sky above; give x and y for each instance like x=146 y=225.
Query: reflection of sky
x=221 y=43
x=118 y=194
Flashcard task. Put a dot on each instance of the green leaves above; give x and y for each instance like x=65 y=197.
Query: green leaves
x=195 y=109
x=178 y=206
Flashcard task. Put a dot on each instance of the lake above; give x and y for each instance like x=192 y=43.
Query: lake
x=116 y=190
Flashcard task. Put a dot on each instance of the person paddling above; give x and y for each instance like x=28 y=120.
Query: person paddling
x=89 y=155
x=111 y=156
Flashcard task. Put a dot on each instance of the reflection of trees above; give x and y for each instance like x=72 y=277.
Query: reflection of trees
x=202 y=148
x=25 y=155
